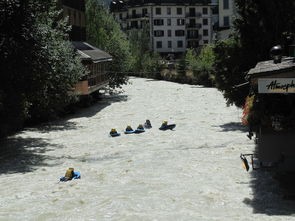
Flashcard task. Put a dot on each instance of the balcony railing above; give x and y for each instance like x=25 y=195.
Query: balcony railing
x=194 y=26
x=194 y=15
x=194 y=37
x=137 y=16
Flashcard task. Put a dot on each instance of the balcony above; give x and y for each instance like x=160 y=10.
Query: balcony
x=137 y=16
x=194 y=26
x=193 y=15
x=194 y=37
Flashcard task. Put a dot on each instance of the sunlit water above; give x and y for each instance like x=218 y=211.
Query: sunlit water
x=191 y=173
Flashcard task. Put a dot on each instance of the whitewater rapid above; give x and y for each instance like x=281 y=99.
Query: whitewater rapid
x=190 y=173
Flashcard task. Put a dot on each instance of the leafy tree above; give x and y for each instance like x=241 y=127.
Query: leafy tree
x=202 y=65
x=229 y=68
x=40 y=65
x=144 y=60
x=259 y=26
x=105 y=33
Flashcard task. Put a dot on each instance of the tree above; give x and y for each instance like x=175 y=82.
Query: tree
x=201 y=65
x=40 y=68
x=105 y=33
x=259 y=26
x=229 y=71
x=144 y=60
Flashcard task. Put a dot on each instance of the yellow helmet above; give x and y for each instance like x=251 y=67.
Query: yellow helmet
x=113 y=130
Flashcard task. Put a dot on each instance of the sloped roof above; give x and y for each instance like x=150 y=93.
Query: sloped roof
x=269 y=67
x=91 y=53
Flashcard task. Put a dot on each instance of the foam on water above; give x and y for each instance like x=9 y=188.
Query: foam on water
x=191 y=173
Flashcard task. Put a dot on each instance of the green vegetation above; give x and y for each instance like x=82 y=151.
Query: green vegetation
x=130 y=50
x=259 y=26
x=201 y=65
x=105 y=33
x=38 y=65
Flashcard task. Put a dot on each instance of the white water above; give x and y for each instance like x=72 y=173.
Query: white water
x=191 y=173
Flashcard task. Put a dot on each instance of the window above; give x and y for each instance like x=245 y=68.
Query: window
x=179 y=33
x=169 y=21
x=158 y=11
x=192 y=22
x=226 y=21
x=169 y=44
x=180 y=21
x=179 y=44
x=158 y=22
x=120 y=16
x=205 y=21
x=205 y=11
x=192 y=12
x=168 y=11
x=179 y=11
x=134 y=24
x=225 y=4
x=169 y=33
x=192 y=34
x=80 y=20
x=158 y=33
x=205 y=32
x=159 y=44
x=206 y=42
x=144 y=12
x=74 y=17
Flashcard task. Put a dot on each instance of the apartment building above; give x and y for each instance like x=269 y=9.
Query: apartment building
x=174 y=25
x=226 y=17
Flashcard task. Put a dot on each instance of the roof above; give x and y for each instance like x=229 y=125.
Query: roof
x=269 y=67
x=91 y=53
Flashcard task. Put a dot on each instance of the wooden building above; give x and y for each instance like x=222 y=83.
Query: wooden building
x=94 y=59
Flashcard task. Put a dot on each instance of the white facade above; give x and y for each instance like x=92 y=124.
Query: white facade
x=173 y=27
x=226 y=16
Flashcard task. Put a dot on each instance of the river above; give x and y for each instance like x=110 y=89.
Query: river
x=190 y=173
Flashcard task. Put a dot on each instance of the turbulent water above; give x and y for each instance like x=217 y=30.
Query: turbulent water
x=190 y=173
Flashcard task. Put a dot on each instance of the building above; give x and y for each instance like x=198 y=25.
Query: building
x=93 y=58
x=226 y=11
x=271 y=116
x=174 y=25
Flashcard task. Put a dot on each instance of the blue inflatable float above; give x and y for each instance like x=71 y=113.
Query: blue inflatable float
x=138 y=131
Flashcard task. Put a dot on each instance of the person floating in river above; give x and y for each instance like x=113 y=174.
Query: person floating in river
x=164 y=124
x=113 y=131
x=147 y=124
x=129 y=128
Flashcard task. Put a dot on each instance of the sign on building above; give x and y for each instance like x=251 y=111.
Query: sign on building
x=276 y=85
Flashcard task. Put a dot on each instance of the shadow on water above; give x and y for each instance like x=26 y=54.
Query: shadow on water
x=26 y=154
x=64 y=123
x=269 y=195
x=105 y=101
x=21 y=155
x=233 y=126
